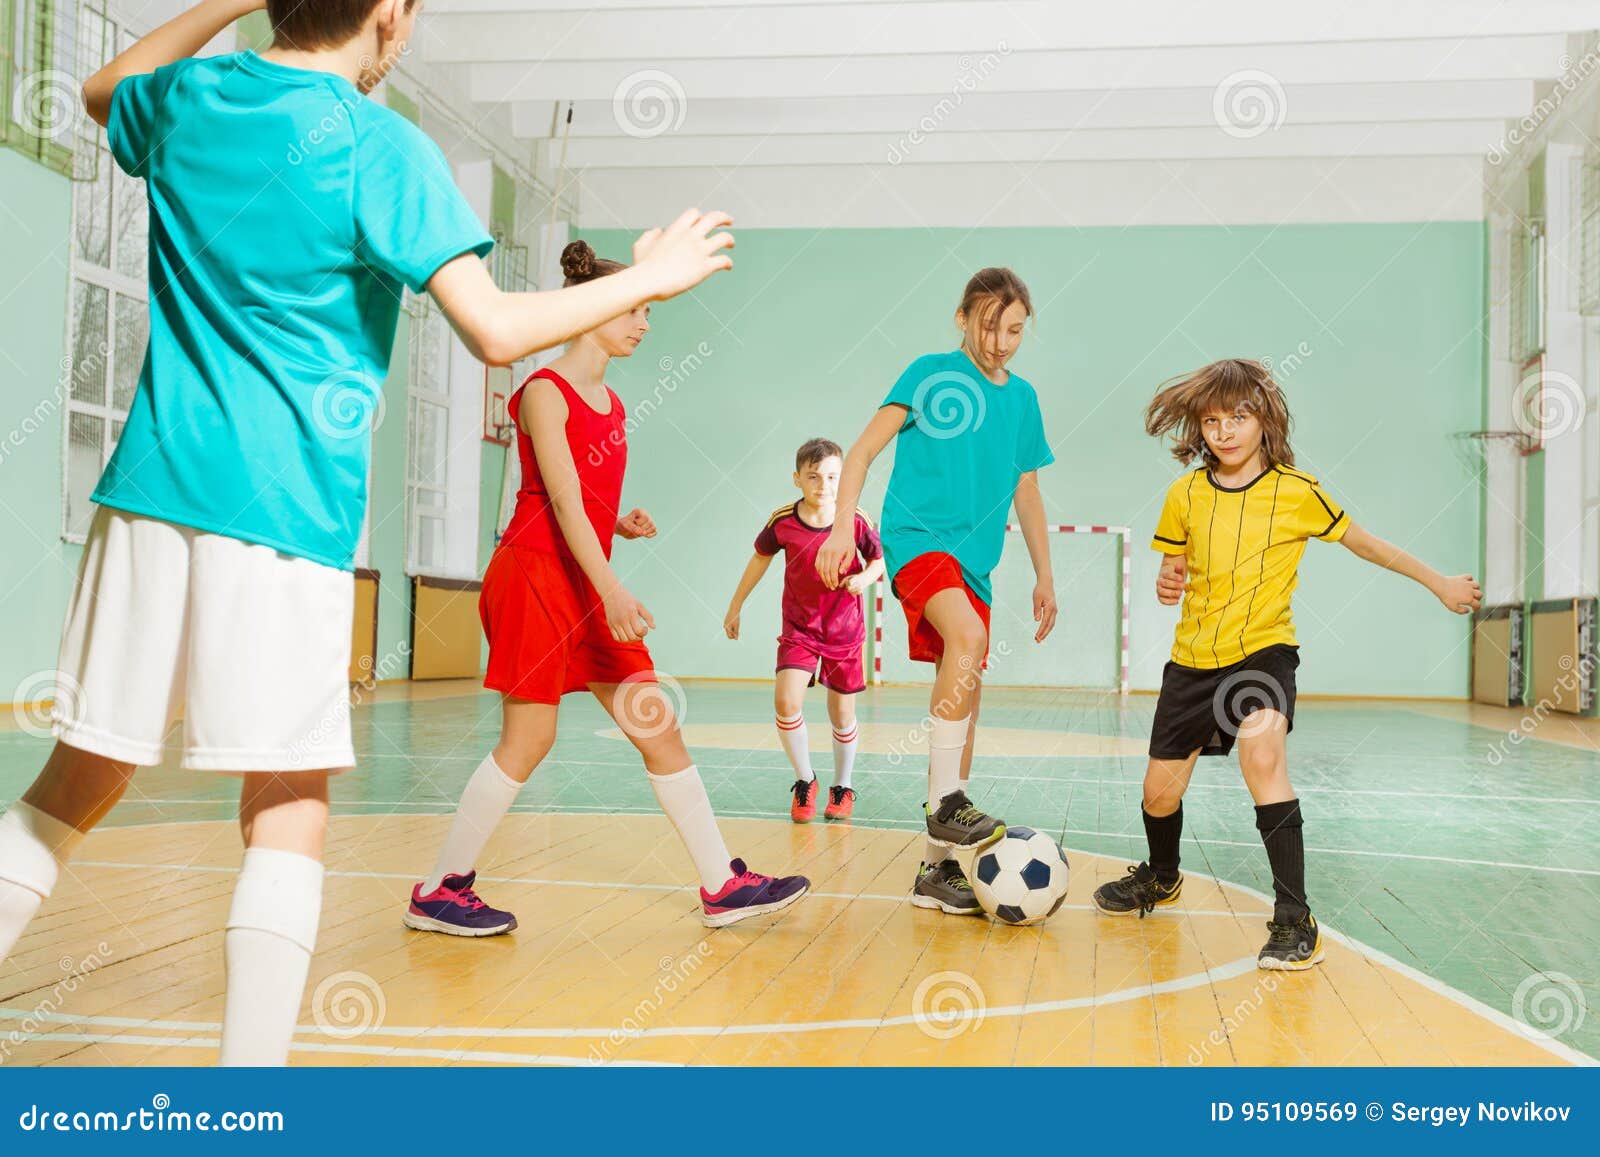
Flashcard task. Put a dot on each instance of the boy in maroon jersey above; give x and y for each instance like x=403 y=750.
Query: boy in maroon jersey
x=823 y=630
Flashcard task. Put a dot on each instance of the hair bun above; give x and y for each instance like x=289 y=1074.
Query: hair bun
x=577 y=260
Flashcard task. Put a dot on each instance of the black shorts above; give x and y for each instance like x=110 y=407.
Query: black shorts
x=1205 y=709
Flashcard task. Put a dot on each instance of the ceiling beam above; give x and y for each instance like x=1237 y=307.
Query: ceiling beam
x=1408 y=61
x=483 y=30
x=1058 y=111
x=1453 y=138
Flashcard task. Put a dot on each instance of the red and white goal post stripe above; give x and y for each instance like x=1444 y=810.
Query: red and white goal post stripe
x=1124 y=601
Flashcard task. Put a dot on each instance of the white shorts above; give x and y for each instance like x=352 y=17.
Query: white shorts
x=250 y=646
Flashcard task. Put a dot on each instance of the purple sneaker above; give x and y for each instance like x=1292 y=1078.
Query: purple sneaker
x=749 y=894
x=456 y=910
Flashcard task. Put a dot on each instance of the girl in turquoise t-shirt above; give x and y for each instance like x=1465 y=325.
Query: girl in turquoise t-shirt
x=971 y=441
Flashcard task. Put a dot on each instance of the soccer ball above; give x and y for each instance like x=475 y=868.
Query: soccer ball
x=1022 y=879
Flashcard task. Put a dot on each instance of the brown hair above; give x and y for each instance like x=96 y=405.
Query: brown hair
x=816 y=450
x=579 y=263
x=307 y=25
x=989 y=293
x=1230 y=385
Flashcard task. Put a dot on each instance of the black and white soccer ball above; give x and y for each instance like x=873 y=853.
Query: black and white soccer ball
x=1022 y=879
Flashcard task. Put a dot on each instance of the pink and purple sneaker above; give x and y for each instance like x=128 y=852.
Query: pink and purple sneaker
x=749 y=894
x=456 y=910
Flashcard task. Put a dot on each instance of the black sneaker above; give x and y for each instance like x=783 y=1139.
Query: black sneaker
x=1291 y=947
x=1139 y=891
x=945 y=886
x=958 y=824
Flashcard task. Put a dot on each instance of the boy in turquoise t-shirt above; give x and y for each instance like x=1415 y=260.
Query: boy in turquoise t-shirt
x=287 y=212
x=969 y=441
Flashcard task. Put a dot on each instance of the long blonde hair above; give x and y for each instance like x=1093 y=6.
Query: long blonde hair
x=1230 y=385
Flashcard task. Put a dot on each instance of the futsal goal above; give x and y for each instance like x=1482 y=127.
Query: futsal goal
x=1092 y=565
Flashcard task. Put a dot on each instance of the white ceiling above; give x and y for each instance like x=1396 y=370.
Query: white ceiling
x=749 y=83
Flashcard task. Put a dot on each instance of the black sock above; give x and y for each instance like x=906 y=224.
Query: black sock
x=1280 y=828
x=1163 y=832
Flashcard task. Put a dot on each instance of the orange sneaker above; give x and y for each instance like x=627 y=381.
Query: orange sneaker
x=804 y=808
x=841 y=802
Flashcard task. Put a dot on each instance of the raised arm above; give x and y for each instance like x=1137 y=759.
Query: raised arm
x=177 y=39
x=1029 y=505
x=500 y=328
x=834 y=556
x=754 y=571
x=543 y=417
x=1459 y=593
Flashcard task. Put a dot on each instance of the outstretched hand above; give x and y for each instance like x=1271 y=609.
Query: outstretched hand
x=833 y=557
x=1460 y=594
x=685 y=253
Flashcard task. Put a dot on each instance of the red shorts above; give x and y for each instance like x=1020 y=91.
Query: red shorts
x=842 y=675
x=917 y=582
x=547 y=629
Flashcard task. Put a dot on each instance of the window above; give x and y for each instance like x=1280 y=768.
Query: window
x=1589 y=234
x=47 y=47
x=108 y=323
x=428 y=449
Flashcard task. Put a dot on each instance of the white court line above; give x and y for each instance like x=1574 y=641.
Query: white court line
x=1239 y=967
x=915 y=825
x=620 y=886
x=921 y=773
x=1438 y=987
x=1561 y=1051
x=192 y=1042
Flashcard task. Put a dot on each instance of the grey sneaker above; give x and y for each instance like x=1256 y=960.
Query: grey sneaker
x=958 y=824
x=944 y=886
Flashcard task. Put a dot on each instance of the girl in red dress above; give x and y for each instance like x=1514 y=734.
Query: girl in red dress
x=559 y=620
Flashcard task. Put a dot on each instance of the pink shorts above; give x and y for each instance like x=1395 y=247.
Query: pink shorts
x=842 y=675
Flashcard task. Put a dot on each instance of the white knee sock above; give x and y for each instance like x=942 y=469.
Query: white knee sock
x=683 y=798
x=272 y=931
x=845 y=742
x=796 y=745
x=33 y=848
x=946 y=742
x=933 y=853
x=488 y=796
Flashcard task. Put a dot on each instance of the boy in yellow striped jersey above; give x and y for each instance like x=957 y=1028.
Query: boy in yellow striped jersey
x=1233 y=531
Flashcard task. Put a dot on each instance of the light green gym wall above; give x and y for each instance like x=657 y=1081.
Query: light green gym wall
x=1375 y=329
x=36 y=566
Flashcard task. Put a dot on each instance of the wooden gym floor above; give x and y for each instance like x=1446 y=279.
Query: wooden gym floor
x=1456 y=872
